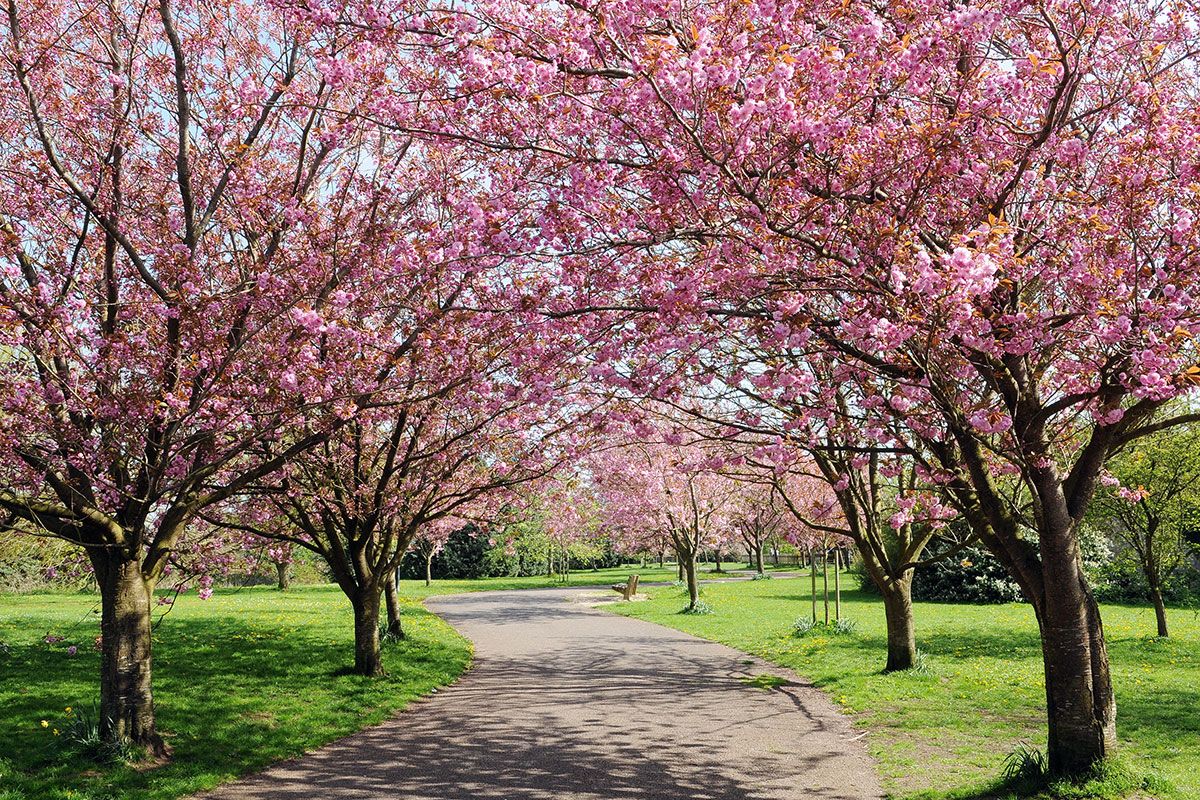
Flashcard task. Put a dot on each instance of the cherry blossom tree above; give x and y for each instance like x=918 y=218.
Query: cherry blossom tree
x=761 y=517
x=986 y=210
x=467 y=426
x=826 y=473
x=431 y=540
x=888 y=514
x=569 y=516
x=281 y=556
x=183 y=187
x=664 y=486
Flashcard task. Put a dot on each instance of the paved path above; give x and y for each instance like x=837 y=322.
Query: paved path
x=566 y=701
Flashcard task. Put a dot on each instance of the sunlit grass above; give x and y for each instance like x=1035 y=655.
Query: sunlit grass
x=244 y=679
x=584 y=577
x=946 y=733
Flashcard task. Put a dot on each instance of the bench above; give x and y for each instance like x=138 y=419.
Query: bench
x=627 y=589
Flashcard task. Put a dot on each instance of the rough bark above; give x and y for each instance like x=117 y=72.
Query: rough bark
x=126 y=699
x=429 y=569
x=758 y=559
x=901 y=633
x=367 y=658
x=689 y=568
x=1080 y=705
x=283 y=577
x=1160 y=611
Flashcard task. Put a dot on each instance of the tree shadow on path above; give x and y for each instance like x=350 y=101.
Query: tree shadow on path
x=566 y=702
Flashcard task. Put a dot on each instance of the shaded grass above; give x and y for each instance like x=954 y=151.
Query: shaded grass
x=247 y=678
x=945 y=733
x=241 y=680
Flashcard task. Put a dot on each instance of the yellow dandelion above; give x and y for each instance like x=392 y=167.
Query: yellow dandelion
x=45 y=724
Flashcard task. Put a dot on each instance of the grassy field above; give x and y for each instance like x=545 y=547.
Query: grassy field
x=276 y=661
x=584 y=577
x=945 y=731
x=244 y=679
x=273 y=658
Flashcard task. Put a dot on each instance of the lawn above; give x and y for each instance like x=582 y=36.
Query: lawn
x=273 y=658
x=945 y=732
x=244 y=679
x=584 y=577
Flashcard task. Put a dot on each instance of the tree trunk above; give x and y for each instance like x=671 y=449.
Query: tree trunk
x=395 y=627
x=692 y=586
x=1160 y=610
x=717 y=558
x=679 y=564
x=901 y=635
x=1080 y=705
x=661 y=557
x=126 y=698
x=758 y=559
x=284 y=580
x=367 y=660
x=429 y=569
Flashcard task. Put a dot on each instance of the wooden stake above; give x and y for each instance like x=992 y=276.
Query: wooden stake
x=837 y=584
x=825 y=573
x=812 y=558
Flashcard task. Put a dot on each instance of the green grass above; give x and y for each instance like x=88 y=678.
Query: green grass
x=275 y=660
x=249 y=677
x=585 y=577
x=946 y=733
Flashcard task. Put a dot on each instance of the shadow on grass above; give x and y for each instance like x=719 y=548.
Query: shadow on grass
x=1005 y=645
x=583 y=706
x=233 y=693
x=1165 y=714
x=1112 y=780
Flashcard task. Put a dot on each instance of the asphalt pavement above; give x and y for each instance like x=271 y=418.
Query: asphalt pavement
x=566 y=701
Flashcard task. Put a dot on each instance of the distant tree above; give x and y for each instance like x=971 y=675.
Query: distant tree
x=430 y=541
x=881 y=505
x=677 y=490
x=1152 y=497
x=761 y=516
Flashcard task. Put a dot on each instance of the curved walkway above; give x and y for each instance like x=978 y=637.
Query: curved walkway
x=567 y=701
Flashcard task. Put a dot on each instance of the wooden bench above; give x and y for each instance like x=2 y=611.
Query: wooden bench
x=627 y=589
